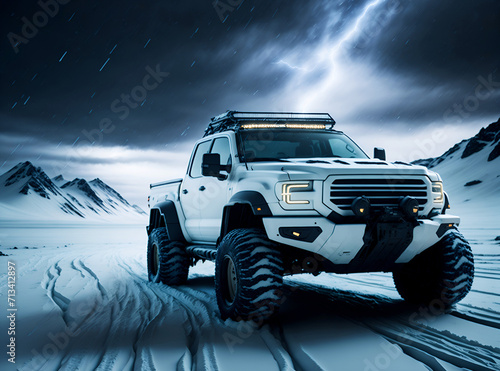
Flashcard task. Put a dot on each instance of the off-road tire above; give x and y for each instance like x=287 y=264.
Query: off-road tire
x=258 y=273
x=441 y=275
x=167 y=260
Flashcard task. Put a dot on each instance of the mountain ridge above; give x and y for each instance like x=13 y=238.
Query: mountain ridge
x=486 y=137
x=471 y=176
x=26 y=190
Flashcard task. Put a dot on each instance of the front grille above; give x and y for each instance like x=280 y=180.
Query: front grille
x=381 y=192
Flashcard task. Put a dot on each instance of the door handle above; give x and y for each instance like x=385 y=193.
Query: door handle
x=185 y=191
x=202 y=188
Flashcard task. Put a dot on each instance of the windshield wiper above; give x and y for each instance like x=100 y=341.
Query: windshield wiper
x=258 y=159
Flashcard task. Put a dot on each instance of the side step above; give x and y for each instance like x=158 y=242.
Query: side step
x=202 y=252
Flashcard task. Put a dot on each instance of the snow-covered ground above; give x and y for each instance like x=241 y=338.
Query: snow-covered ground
x=83 y=302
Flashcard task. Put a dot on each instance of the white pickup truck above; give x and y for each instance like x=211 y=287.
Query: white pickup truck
x=271 y=194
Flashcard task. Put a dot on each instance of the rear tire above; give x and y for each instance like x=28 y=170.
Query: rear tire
x=168 y=261
x=248 y=276
x=442 y=274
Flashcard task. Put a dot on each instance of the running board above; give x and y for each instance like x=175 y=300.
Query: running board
x=202 y=252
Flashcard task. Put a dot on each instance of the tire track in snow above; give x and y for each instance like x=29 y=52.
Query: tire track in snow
x=102 y=291
x=419 y=341
x=281 y=351
x=129 y=316
x=76 y=313
x=143 y=355
x=485 y=292
x=481 y=316
x=194 y=320
x=51 y=276
x=451 y=348
x=74 y=358
x=274 y=345
x=203 y=325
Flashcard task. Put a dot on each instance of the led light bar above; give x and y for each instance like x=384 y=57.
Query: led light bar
x=234 y=120
x=284 y=126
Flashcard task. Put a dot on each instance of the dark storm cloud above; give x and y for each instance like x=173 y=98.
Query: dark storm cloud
x=61 y=95
x=452 y=41
x=59 y=68
x=444 y=54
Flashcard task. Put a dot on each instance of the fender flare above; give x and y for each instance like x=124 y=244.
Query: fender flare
x=164 y=214
x=253 y=199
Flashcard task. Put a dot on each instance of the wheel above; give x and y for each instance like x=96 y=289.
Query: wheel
x=248 y=276
x=442 y=273
x=167 y=260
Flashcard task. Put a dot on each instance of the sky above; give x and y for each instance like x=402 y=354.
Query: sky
x=121 y=90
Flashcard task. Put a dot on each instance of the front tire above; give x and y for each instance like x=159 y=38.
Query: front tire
x=167 y=260
x=442 y=274
x=248 y=276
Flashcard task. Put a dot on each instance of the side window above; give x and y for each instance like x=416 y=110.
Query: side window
x=202 y=148
x=221 y=146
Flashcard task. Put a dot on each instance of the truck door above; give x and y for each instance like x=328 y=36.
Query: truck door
x=214 y=194
x=190 y=193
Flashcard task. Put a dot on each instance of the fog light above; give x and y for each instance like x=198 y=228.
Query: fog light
x=361 y=206
x=409 y=206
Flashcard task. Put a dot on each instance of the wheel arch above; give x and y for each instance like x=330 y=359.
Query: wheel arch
x=164 y=214
x=245 y=209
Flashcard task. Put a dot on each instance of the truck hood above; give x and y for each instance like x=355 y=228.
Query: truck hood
x=321 y=168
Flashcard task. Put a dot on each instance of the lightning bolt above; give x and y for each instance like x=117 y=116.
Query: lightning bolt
x=330 y=58
x=331 y=49
x=355 y=29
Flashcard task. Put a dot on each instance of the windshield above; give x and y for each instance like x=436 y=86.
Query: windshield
x=263 y=145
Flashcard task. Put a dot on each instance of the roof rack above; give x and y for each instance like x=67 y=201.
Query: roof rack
x=234 y=120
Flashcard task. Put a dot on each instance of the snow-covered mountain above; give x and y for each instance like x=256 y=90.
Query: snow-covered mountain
x=27 y=193
x=471 y=175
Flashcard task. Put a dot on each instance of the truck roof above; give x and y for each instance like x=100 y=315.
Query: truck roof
x=235 y=120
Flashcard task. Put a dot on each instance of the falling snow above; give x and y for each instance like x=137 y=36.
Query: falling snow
x=194 y=33
x=104 y=64
x=63 y=56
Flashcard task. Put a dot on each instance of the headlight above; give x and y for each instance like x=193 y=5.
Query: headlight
x=297 y=194
x=437 y=192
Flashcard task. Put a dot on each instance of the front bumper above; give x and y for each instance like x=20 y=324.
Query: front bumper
x=341 y=243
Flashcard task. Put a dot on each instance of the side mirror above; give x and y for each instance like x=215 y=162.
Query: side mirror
x=379 y=153
x=210 y=165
